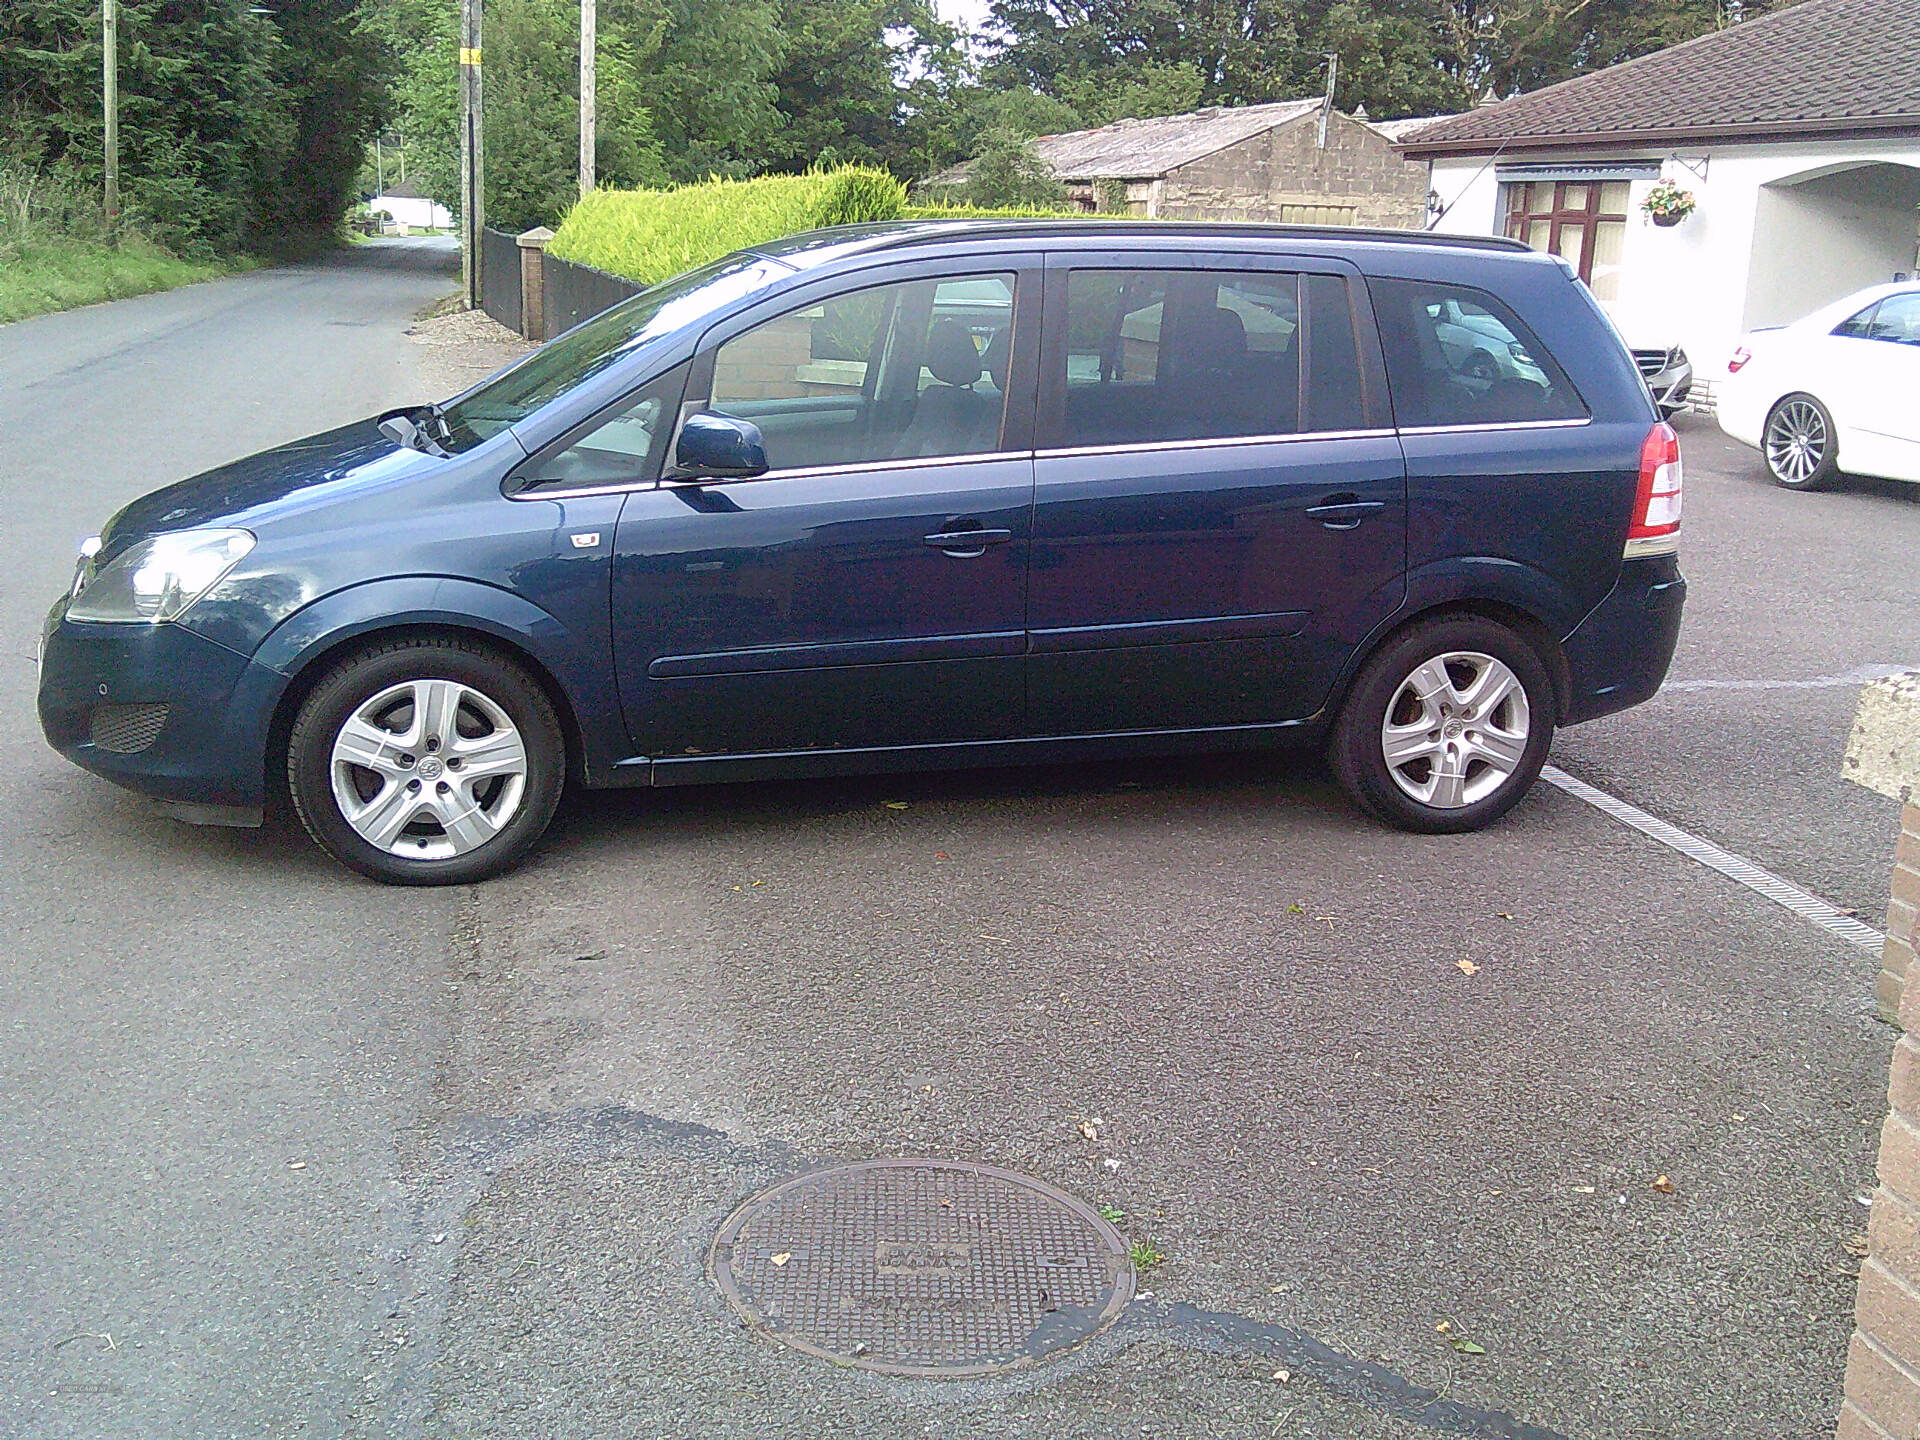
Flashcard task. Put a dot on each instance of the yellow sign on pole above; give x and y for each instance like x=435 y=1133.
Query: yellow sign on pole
x=469 y=57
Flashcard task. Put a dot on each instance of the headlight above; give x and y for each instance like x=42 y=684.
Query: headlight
x=160 y=577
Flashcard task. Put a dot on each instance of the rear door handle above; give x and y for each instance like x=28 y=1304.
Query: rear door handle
x=967 y=543
x=1339 y=513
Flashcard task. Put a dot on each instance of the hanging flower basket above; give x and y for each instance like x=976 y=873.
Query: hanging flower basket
x=1666 y=204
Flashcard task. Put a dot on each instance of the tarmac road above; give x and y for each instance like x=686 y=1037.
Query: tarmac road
x=519 y=1112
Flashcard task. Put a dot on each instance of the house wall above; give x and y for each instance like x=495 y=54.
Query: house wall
x=413 y=210
x=1283 y=174
x=1751 y=253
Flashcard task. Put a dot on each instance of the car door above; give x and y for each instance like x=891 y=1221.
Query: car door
x=1220 y=501
x=869 y=590
x=1878 y=374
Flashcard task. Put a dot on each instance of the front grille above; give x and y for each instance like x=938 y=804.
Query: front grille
x=1651 y=362
x=127 y=729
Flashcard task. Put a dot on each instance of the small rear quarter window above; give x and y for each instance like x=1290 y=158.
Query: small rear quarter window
x=1458 y=356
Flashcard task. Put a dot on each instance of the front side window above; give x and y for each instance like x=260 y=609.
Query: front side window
x=621 y=446
x=910 y=370
x=1154 y=356
x=584 y=351
x=1584 y=222
x=1457 y=356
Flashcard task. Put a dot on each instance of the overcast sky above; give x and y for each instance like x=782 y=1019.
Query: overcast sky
x=962 y=12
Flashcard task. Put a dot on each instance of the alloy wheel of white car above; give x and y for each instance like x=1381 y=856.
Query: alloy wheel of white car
x=1799 y=443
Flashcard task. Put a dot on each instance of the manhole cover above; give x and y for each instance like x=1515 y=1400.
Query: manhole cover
x=923 y=1267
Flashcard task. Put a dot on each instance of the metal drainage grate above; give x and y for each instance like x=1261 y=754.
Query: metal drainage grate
x=923 y=1267
x=126 y=729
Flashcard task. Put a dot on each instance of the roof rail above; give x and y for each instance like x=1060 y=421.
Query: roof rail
x=902 y=233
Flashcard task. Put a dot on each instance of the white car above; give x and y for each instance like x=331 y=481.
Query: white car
x=1837 y=391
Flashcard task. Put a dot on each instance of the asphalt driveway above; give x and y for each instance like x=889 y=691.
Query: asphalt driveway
x=294 y=1154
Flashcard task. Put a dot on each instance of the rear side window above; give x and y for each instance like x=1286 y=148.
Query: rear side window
x=1459 y=357
x=1154 y=356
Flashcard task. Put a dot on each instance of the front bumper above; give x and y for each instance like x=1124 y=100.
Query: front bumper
x=1670 y=387
x=156 y=708
x=1620 y=653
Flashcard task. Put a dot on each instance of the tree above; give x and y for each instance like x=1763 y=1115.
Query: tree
x=707 y=67
x=862 y=81
x=1008 y=171
x=532 y=98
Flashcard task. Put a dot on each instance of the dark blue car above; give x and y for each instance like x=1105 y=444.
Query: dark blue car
x=913 y=496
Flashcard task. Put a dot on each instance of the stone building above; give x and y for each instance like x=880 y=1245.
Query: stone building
x=1292 y=161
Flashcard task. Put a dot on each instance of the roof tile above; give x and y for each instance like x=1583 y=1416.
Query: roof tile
x=1821 y=62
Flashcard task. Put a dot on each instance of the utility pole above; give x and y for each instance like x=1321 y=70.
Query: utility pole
x=472 y=168
x=589 y=28
x=1326 y=106
x=379 y=168
x=110 y=92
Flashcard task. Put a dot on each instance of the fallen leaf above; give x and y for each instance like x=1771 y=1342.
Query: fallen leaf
x=1466 y=1347
x=1444 y=1327
x=1503 y=915
x=1283 y=1376
x=1739 y=1117
x=1087 y=1129
x=1583 y=1189
x=781 y=1258
x=941 y=855
x=1663 y=1185
x=896 y=804
x=1466 y=967
x=1296 y=909
x=296 y=1164
x=1856 y=1246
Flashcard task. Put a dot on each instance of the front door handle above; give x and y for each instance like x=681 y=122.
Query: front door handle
x=1344 y=512
x=964 y=544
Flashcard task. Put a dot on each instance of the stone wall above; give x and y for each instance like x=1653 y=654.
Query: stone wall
x=1359 y=179
x=1883 y=1361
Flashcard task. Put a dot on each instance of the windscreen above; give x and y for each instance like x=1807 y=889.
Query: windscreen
x=587 y=349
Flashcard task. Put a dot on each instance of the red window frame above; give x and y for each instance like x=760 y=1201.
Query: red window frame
x=1531 y=202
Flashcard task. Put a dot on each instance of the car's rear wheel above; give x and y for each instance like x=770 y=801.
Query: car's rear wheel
x=1445 y=727
x=426 y=762
x=1800 y=443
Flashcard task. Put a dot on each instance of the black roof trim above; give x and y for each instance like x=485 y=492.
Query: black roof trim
x=904 y=234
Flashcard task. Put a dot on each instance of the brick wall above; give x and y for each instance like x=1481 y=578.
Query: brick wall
x=1283 y=174
x=1883 y=1361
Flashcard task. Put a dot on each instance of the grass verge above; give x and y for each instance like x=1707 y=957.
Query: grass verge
x=61 y=274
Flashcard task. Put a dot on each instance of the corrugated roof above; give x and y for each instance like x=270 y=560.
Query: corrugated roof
x=1142 y=149
x=1403 y=130
x=1818 y=66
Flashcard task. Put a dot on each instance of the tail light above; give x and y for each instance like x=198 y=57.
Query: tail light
x=1656 y=506
x=1739 y=360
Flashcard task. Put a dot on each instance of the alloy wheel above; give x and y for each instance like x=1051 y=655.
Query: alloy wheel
x=428 y=769
x=1796 y=441
x=1456 y=729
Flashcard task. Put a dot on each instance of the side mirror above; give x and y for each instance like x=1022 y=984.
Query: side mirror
x=719 y=447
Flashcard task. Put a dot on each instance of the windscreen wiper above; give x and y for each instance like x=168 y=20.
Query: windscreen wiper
x=400 y=427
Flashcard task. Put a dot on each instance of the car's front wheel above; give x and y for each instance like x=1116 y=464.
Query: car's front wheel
x=426 y=762
x=1445 y=727
x=1800 y=443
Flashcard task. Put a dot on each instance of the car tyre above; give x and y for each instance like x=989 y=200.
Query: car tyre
x=426 y=762
x=1800 y=443
x=1446 y=726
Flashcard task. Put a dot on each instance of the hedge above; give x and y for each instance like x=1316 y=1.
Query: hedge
x=650 y=235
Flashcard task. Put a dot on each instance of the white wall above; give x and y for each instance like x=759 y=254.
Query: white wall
x=1691 y=284
x=413 y=210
